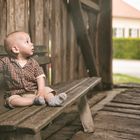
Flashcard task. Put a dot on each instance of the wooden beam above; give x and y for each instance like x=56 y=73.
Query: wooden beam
x=82 y=36
x=90 y=4
x=105 y=43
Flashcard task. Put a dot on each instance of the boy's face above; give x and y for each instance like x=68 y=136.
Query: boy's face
x=23 y=44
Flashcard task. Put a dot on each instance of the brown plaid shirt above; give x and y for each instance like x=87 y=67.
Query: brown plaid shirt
x=20 y=79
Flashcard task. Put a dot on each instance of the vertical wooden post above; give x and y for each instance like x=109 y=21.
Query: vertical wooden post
x=104 y=42
x=85 y=115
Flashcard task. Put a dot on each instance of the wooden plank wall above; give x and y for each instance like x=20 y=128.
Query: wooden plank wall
x=49 y=23
x=66 y=55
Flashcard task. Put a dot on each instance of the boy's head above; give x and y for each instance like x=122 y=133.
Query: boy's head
x=18 y=44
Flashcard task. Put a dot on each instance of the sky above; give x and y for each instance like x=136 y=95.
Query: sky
x=135 y=3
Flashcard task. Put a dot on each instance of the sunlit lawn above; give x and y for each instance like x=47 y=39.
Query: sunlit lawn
x=121 y=78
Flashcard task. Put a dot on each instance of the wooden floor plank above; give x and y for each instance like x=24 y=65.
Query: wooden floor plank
x=117 y=120
x=123 y=105
x=122 y=110
x=124 y=98
x=120 y=114
x=101 y=134
x=117 y=123
x=128 y=99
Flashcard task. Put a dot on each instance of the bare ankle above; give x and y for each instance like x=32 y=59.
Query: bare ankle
x=49 y=96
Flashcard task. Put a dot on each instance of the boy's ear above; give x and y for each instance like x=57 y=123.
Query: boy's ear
x=15 y=49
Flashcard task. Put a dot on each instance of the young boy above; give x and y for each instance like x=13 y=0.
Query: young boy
x=23 y=76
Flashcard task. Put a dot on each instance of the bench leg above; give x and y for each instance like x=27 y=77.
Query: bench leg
x=85 y=115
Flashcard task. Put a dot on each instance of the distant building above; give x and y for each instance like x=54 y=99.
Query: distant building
x=125 y=20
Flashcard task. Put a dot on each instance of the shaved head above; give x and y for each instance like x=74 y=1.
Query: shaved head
x=11 y=40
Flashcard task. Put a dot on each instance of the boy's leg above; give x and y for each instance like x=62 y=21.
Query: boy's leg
x=52 y=99
x=17 y=100
x=50 y=93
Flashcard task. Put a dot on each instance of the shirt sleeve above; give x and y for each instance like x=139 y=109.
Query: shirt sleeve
x=38 y=69
x=1 y=65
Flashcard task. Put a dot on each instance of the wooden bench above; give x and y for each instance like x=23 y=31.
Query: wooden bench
x=28 y=123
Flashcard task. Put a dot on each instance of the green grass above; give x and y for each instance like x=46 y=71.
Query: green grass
x=122 y=78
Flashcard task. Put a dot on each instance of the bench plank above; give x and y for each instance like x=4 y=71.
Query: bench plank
x=45 y=116
x=5 y=112
x=12 y=118
x=10 y=113
x=29 y=121
x=19 y=114
x=11 y=122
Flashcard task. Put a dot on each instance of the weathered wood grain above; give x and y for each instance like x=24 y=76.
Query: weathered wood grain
x=82 y=36
x=31 y=120
x=117 y=123
x=104 y=42
x=49 y=24
x=34 y=123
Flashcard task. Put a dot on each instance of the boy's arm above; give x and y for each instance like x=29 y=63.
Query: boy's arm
x=41 y=85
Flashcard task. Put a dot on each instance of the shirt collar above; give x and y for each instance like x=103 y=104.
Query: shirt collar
x=13 y=60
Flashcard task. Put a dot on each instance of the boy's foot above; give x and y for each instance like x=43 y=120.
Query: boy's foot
x=39 y=101
x=57 y=100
